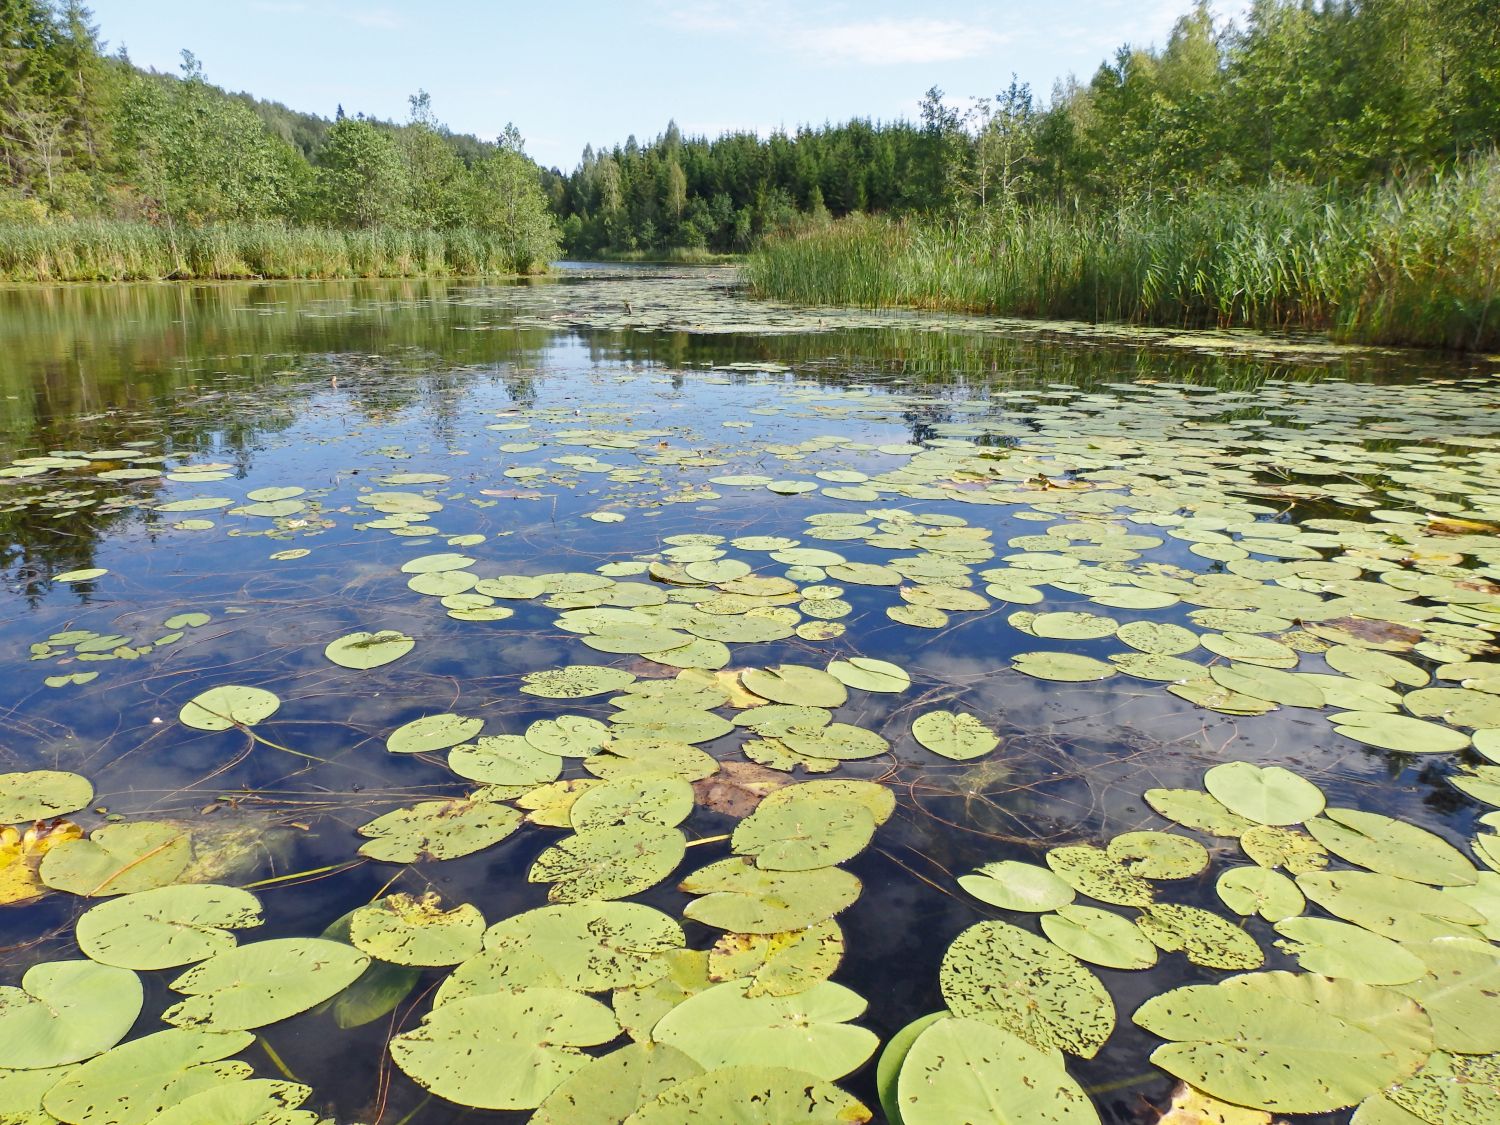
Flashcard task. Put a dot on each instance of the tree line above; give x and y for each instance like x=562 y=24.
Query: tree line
x=86 y=134
x=1327 y=92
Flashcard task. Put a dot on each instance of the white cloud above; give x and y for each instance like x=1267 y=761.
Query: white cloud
x=893 y=42
x=381 y=19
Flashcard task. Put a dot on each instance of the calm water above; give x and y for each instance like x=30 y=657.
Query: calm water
x=525 y=409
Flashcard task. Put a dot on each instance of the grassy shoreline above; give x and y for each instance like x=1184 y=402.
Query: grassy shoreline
x=110 y=250
x=1414 y=263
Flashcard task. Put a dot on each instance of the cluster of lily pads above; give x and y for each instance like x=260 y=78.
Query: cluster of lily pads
x=1327 y=548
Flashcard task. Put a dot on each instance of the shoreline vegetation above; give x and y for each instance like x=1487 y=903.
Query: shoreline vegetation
x=1414 y=262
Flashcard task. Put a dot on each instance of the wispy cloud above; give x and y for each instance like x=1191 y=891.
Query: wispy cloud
x=877 y=41
x=893 y=42
x=381 y=19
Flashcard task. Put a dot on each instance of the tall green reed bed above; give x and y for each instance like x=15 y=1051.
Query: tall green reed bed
x=106 y=250
x=1415 y=262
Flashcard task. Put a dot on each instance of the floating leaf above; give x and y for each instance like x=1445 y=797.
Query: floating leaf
x=640 y=1009
x=253 y=985
x=1337 y=949
x=796 y=685
x=1264 y=794
x=118 y=859
x=432 y=732
x=1158 y=855
x=839 y=741
x=166 y=927
x=1206 y=938
x=1099 y=937
x=722 y=1026
x=1399 y=732
x=958 y=736
x=1193 y=808
x=229 y=706
x=778 y=964
x=437 y=830
x=65 y=1012
x=1460 y=993
x=1270 y=846
x=1012 y=885
x=1001 y=974
x=1393 y=907
x=1090 y=871
x=362 y=651
x=742 y=898
x=876 y=797
x=42 y=794
x=569 y=736
x=404 y=930
x=610 y=1088
x=1450 y=1090
x=591 y=946
x=507 y=1050
x=131 y=1083
x=506 y=759
x=1392 y=847
x=612 y=862
x=800 y=835
x=577 y=681
x=1261 y=1040
x=967 y=1070
x=1258 y=890
x=868 y=674
x=752 y=1095
x=647 y=797
x=1064 y=667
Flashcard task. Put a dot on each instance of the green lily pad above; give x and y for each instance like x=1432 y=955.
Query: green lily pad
x=968 y=1070
x=1192 y=808
x=251 y=1100
x=166 y=927
x=1073 y=625
x=1158 y=855
x=1063 y=667
x=42 y=794
x=1392 y=847
x=876 y=797
x=577 y=681
x=506 y=1050
x=801 y=835
x=1270 y=846
x=436 y=564
x=1264 y=794
x=644 y=797
x=132 y=1082
x=65 y=1012
x=722 y=1026
x=1029 y=987
x=778 y=964
x=404 y=930
x=118 y=859
x=432 y=732
x=954 y=735
x=796 y=685
x=1386 y=905
x=839 y=741
x=250 y=986
x=1158 y=638
x=1090 y=871
x=1399 y=732
x=610 y=1088
x=608 y=863
x=362 y=651
x=867 y=674
x=1206 y=938
x=590 y=946
x=752 y=1095
x=1012 y=885
x=1258 y=1041
x=569 y=736
x=1338 y=949
x=1259 y=890
x=1450 y=1089
x=1099 y=937
x=1460 y=994
x=437 y=830
x=743 y=898
x=506 y=759
x=232 y=705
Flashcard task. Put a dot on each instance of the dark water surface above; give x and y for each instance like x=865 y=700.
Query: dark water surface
x=627 y=391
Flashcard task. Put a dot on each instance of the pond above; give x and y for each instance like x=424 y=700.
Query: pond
x=423 y=688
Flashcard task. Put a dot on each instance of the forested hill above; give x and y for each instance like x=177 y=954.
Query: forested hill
x=1322 y=92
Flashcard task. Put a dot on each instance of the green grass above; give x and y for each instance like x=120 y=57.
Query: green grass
x=108 y=250
x=1415 y=262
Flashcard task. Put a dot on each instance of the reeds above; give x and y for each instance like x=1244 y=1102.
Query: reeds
x=110 y=250
x=1412 y=262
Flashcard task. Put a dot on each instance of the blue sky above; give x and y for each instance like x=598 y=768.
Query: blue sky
x=569 y=72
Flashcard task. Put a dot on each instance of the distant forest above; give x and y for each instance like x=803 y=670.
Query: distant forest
x=1329 y=92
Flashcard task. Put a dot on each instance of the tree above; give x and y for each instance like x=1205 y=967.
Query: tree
x=362 y=180
x=434 y=174
x=505 y=199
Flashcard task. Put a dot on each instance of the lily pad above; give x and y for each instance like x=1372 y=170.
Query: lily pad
x=506 y=1050
x=868 y=674
x=608 y=863
x=118 y=859
x=362 y=651
x=778 y=964
x=1264 y=794
x=1012 y=885
x=743 y=898
x=1338 y=949
x=253 y=985
x=610 y=1088
x=437 y=830
x=1029 y=987
x=1259 y=890
x=1392 y=847
x=800 y=835
x=166 y=927
x=954 y=735
x=42 y=794
x=65 y=1012
x=1192 y=808
x=577 y=681
x=1399 y=732
x=232 y=705
x=1158 y=855
x=590 y=946
x=402 y=929
x=752 y=1095
x=1099 y=937
x=1090 y=871
x=1384 y=904
x=795 y=684
x=1063 y=667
